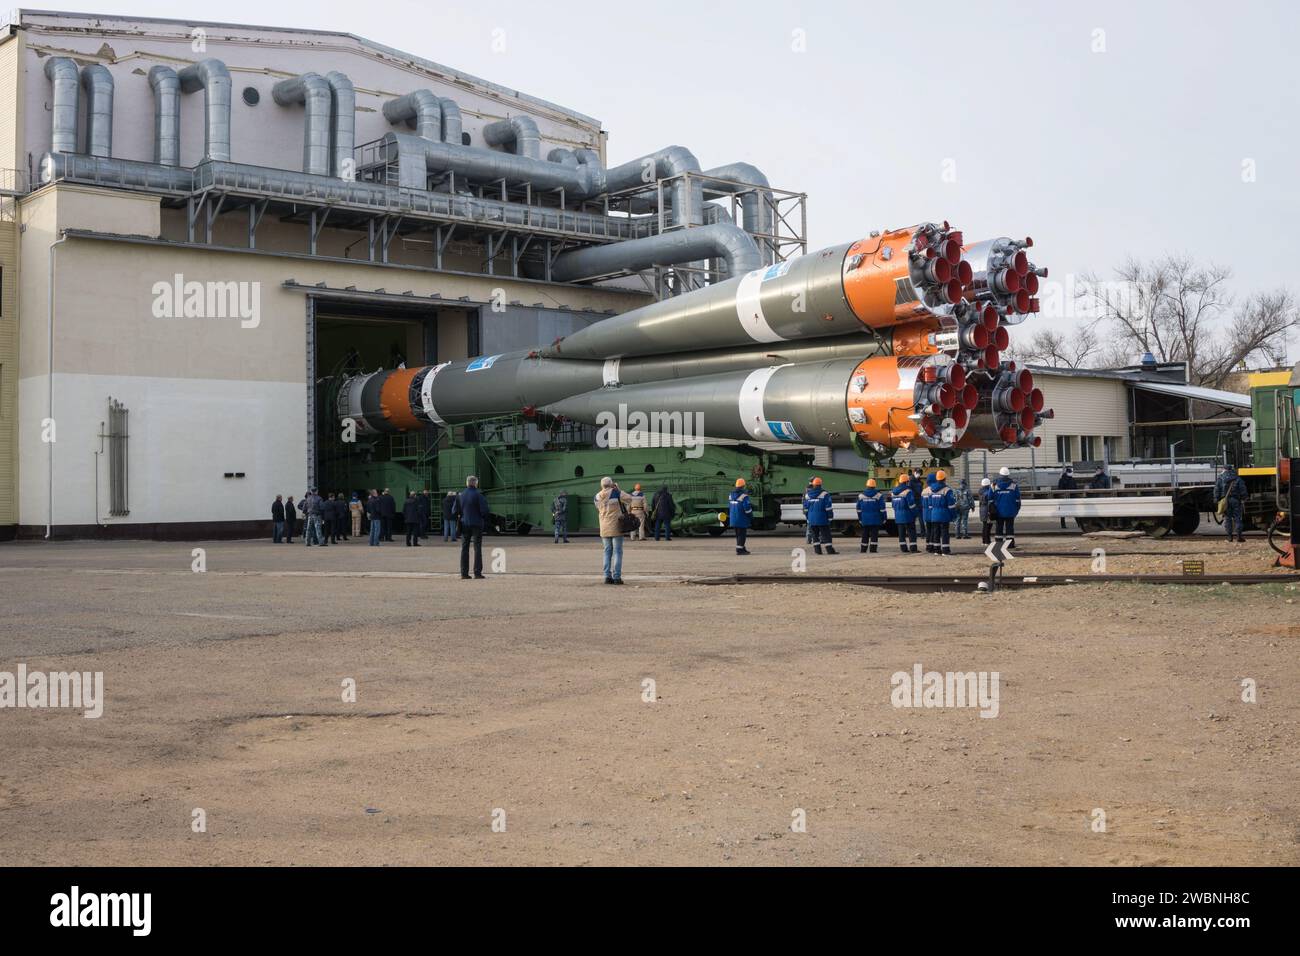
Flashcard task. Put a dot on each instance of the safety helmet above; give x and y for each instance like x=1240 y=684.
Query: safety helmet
x=740 y=483
x=985 y=482
x=871 y=482
x=1004 y=471
x=902 y=479
x=941 y=474
x=817 y=482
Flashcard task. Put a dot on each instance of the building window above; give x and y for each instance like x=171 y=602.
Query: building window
x=1111 y=443
x=1063 y=448
x=1085 y=448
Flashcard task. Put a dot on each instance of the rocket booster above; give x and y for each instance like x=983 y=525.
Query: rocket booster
x=893 y=341
x=885 y=401
x=401 y=399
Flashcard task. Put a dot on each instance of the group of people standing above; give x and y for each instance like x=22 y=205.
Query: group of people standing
x=657 y=512
x=337 y=517
x=326 y=519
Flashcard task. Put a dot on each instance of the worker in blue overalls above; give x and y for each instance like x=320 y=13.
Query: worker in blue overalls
x=905 y=507
x=1006 y=505
x=943 y=507
x=821 y=509
x=740 y=514
x=871 y=515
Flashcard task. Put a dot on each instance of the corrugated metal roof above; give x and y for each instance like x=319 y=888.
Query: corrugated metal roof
x=1195 y=392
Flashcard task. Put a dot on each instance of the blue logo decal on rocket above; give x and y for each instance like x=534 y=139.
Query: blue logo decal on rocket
x=783 y=431
x=481 y=363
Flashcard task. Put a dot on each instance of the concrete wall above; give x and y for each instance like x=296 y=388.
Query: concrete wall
x=206 y=395
x=265 y=134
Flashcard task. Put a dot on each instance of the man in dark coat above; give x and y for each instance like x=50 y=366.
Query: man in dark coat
x=342 y=519
x=290 y=517
x=387 y=512
x=472 y=512
x=277 y=519
x=376 y=522
x=664 y=511
x=411 y=519
x=425 y=509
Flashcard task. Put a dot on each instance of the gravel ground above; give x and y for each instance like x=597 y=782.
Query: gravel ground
x=522 y=700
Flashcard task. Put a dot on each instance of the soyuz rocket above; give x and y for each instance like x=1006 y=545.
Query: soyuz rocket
x=893 y=341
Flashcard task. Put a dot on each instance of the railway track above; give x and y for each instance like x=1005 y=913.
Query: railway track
x=973 y=582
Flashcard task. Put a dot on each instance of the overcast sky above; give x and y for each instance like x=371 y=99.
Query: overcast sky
x=1101 y=129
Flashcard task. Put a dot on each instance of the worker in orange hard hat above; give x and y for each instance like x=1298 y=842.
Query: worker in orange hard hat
x=905 y=505
x=820 y=508
x=871 y=515
x=636 y=507
x=740 y=512
x=943 y=507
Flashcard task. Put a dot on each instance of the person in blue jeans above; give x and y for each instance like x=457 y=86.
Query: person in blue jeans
x=376 y=525
x=663 y=508
x=449 y=528
x=609 y=509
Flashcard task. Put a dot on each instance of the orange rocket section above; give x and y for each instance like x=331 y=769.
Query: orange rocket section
x=904 y=274
x=914 y=338
x=395 y=401
x=884 y=406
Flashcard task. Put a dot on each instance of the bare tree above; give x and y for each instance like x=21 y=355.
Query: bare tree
x=1179 y=311
x=1077 y=349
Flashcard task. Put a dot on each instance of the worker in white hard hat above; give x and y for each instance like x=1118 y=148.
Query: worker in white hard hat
x=986 y=510
x=1006 y=505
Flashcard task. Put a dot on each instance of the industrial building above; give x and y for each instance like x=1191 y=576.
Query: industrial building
x=206 y=227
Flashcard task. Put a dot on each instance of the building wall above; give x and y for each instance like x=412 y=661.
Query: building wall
x=265 y=134
x=8 y=372
x=206 y=395
x=11 y=57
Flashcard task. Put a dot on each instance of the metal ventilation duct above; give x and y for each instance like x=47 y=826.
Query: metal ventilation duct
x=724 y=241
x=417 y=157
x=66 y=81
x=343 y=124
x=516 y=133
x=213 y=78
x=687 y=201
x=166 y=115
x=316 y=96
x=420 y=110
x=451 y=120
x=99 y=109
x=755 y=205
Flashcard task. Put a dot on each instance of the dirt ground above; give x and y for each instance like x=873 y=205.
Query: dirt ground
x=521 y=700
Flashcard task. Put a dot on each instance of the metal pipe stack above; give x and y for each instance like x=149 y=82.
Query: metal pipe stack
x=891 y=342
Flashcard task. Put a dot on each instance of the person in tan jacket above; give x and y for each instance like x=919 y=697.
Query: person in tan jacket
x=357 y=508
x=636 y=505
x=609 y=508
